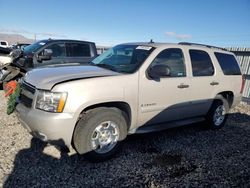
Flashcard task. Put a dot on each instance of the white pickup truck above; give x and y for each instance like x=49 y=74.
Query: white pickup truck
x=4 y=44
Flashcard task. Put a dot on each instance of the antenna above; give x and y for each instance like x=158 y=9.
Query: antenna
x=151 y=41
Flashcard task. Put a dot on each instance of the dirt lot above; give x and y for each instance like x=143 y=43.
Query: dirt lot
x=190 y=156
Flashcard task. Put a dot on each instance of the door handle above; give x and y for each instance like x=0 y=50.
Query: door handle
x=214 y=83
x=181 y=86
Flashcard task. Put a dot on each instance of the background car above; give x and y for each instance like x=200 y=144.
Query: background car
x=4 y=44
x=48 y=53
x=20 y=46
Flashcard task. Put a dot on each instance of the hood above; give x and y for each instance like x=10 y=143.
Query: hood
x=46 y=78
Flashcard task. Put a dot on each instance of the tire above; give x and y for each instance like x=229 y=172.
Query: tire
x=217 y=115
x=100 y=126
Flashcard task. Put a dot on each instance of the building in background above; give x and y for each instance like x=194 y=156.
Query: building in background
x=101 y=49
x=243 y=56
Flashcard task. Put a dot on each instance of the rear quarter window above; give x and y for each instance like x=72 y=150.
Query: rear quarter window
x=228 y=64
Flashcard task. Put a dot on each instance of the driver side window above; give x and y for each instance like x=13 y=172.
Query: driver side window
x=58 y=50
x=174 y=59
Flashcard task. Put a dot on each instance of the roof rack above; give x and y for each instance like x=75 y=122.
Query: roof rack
x=197 y=44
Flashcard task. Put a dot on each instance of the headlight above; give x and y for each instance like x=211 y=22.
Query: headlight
x=51 y=101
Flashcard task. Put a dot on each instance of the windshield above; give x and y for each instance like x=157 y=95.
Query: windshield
x=123 y=58
x=35 y=46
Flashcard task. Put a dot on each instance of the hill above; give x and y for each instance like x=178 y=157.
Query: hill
x=15 y=38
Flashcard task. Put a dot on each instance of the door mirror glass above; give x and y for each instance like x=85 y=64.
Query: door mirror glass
x=46 y=54
x=159 y=71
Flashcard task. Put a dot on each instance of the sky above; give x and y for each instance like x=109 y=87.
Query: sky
x=110 y=22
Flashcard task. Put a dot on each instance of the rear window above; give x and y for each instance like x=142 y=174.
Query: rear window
x=78 y=50
x=228 y=64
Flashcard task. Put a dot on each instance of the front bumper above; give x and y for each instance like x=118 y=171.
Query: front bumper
x=52 y=127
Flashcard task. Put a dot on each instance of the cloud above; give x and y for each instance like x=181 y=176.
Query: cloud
x=51 y=34
x=16 y=31
x=171 y=34
x=178 y=36
x=21 y=31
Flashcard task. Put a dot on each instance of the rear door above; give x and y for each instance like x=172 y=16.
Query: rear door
x=204 y=81
x=165 y=99
x=78 y=53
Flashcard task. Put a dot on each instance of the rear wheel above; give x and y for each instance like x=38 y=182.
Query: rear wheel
x=99 y=133
x=217 y=115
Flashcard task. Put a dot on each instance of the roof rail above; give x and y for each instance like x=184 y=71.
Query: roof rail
x=197 y=44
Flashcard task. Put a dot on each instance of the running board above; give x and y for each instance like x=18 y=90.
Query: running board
x=164 y=126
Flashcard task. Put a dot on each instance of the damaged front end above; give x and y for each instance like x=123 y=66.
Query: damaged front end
x=11 y=71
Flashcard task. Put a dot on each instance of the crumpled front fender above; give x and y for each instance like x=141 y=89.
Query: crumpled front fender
x=8 y=72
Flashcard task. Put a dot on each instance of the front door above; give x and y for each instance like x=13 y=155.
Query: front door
x=58 y=55
x=165 y=99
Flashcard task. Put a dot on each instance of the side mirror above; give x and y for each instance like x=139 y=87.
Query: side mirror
x=159 y=71
x=46 y=54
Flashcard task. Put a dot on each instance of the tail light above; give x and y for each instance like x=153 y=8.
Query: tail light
x=242 y=84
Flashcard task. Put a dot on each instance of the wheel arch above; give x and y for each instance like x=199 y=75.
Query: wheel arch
x=227 y=95
x=123 y=106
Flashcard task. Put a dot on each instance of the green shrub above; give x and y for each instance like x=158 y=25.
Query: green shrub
x=12 y=100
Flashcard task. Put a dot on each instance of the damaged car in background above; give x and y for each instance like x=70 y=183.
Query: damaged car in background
x=6 y=57
x=8 y=54
x=46 y=53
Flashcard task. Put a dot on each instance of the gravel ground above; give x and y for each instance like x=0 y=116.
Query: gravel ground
x=189 y=156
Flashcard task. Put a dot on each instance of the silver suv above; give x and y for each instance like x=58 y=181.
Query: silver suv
x=131 y=88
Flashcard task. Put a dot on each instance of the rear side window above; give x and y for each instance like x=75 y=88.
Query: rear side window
x=228 y=64
x=201 y=63
x=78 y=50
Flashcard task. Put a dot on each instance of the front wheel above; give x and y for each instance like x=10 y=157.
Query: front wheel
x=217 y=115
x=99 y=133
